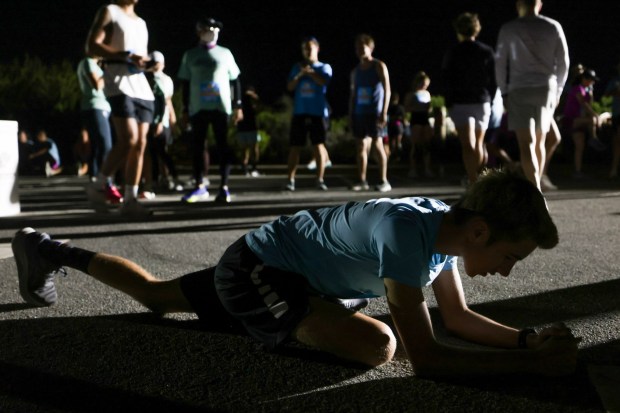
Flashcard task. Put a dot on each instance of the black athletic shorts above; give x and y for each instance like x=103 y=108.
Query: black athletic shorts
x=366 y=126
x=307 y=126
x=124 y=106
x=266 y=301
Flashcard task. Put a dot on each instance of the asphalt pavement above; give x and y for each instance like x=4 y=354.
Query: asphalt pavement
x=98 y=351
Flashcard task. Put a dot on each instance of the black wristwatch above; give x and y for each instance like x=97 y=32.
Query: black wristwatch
x=522 y=340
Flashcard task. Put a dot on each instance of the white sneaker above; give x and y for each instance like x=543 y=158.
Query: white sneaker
x=384 y=187
x=546 y=184
x=147 y=195
x=360 y=186
x=311 y=165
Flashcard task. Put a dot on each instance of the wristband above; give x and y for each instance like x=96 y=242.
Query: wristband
x=522 y=340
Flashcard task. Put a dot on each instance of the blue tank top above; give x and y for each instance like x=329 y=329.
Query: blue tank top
x=369 y=92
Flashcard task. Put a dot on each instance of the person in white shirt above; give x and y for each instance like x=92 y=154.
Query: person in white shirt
x=531 y=67
x=121 y=38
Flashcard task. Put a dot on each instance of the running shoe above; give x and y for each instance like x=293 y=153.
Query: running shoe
x=35 y=273
x=311 y=165
x=290 y=186
x=198 y=194
x=147 y=195
x=360 y=186
x=546 y=184
x=384 y=187
x=134 y=209
x=321 y=186
x=223 y=196
x=112 y=194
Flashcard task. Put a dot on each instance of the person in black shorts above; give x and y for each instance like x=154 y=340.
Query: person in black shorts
x=308 y=80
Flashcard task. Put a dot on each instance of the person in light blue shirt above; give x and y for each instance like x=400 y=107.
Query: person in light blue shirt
x=308 y=80
x=303 y=278
x=94 y=111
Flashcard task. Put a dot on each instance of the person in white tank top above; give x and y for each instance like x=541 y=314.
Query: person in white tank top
x=120 y=37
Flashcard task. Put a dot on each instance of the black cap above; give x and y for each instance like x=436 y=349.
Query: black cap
x=590 y=74
x=207 y=22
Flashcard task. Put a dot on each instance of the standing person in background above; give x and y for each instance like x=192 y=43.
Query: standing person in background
x=396 y=126
x=418 y=104
x=308 y=79
x=247 y=132
x=121 y=38
x=211 y=94
x=94 y=113
x=469 y=80
x=368 y=106
x=160 y=132
x=531 y=67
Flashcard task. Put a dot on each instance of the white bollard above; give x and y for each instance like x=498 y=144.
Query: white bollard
x=9 y=160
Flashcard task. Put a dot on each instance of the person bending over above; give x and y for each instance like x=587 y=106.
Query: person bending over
x=302 y=277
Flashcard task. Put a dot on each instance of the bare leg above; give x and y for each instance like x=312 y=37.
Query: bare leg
x=377 y=143
x=528 y=152
x=468 y=149
x=363 y=147
x=126 y=276
x=579 y=139
x=320 y=154
x=293 y=161
x=348 y=335
x=551 y=144
x=133 y=135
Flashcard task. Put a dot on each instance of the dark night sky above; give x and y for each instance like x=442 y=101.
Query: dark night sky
x=264 y=35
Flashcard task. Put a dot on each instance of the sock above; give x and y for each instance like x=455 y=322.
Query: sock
x=66 y=255
x=131 y=192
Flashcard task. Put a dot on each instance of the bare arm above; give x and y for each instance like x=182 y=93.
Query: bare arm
x=96 y=82
x=385 y=81
x=171 y=111
x=352 y=92
x=556 y=356
x=97 y=42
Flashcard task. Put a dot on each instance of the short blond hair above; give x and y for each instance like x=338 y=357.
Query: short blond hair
x=513 y=208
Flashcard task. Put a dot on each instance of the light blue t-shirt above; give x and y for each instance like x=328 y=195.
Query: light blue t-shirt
x=346 y=251
x=209 y=72
x=310 y=96
x=92 y=98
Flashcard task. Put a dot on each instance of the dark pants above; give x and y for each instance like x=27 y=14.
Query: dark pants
x=200 y=125
x=97 y=124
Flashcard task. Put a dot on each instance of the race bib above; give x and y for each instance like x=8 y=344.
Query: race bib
x=364 y=95
x=209 y=92
x=306 y=90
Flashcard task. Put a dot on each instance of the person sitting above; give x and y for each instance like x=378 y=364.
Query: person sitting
x=45 y=156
